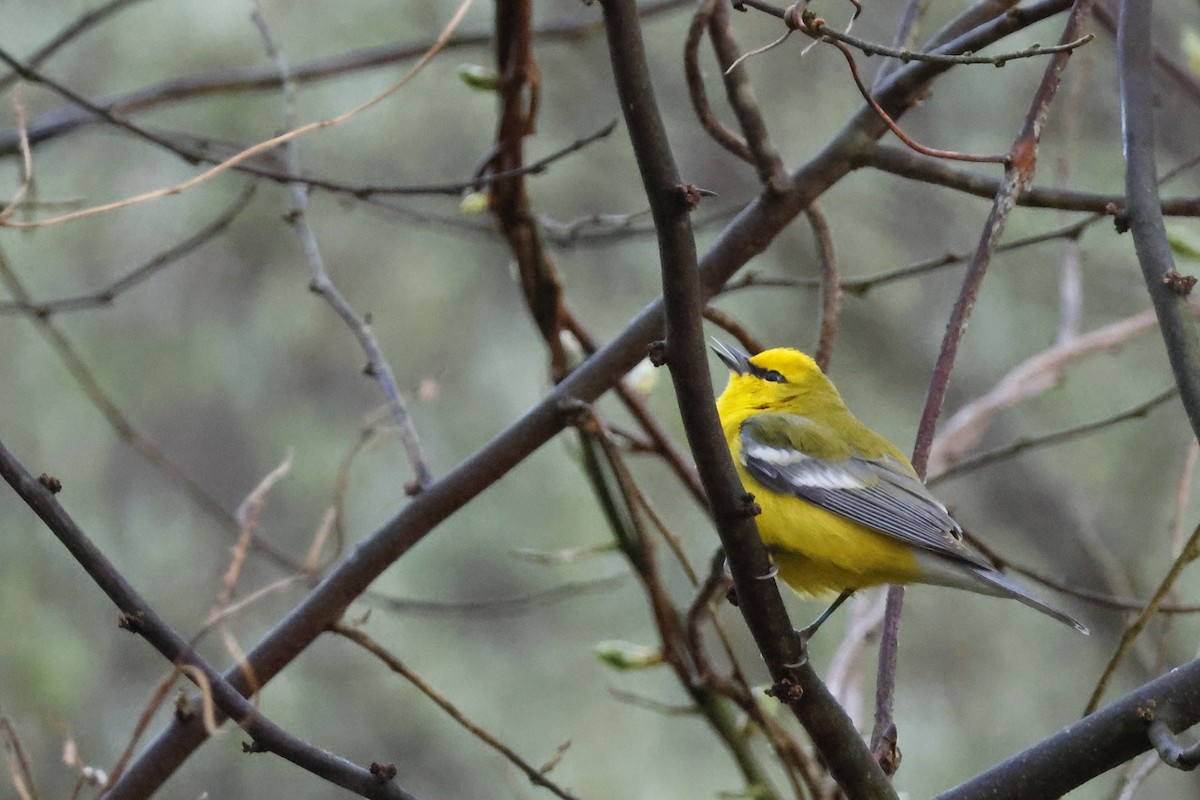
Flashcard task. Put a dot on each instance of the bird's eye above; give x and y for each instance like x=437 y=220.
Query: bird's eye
x=764 y=374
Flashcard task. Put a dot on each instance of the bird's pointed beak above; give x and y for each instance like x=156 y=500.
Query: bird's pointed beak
x=735 y=359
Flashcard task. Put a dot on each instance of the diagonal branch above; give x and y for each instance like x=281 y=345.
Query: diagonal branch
x=139 y=617
x=1089 y=747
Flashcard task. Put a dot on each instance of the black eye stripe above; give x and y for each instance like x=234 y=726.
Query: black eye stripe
x=767 y=374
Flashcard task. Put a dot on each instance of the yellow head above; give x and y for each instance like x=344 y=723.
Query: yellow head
x=781 y=379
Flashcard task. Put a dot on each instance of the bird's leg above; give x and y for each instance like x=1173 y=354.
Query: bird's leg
x=807 y=633
x=804 y=634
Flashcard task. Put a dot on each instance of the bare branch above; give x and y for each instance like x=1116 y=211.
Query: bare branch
x=227 y=164
x=899 y=161
x=321 y=284
x=1019 y=170
x=1006 y=452
x=1135 y=52
x=1028 y=379
x=1172 y=753
x=1090 y=746
x=684 y=353
x=1190 y=552
x=536 y=776
x=831 y=287
x=138 y=616
x=107 y=295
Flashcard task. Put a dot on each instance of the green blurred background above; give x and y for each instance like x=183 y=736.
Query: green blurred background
x=227 y=361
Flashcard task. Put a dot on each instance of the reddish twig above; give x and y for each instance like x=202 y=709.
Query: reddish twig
x=913 y=144
x=737 y=330
x=720 y=134
x=831 y=287
x=740 y=94
x=1020 y=165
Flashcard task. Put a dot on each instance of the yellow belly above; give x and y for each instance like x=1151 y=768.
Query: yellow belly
x=820 y=553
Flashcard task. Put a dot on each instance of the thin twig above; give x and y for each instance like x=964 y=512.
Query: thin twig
x=1033 y=376
x=26 y=157
x=106 y=296
x=737 y=330
x=229 y=163
x=905 y=163
x=831 y=287
x=799 y=17
x=121 y=425
x=913 y=144
x=19 y=770
x=373 y=647
x=903 y=55
x=321 y=283
x=739 y=93
x=76 y=28
x=1191 y=551
x=140 y=617
x=1020 y=164
x=998 y=454
x=716 y=129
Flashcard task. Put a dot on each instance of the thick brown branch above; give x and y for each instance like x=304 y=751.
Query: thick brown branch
x=685 y=352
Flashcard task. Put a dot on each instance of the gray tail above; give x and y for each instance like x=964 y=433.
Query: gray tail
x=1006 y=588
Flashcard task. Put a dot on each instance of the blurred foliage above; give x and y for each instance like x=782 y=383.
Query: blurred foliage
x=226 y=360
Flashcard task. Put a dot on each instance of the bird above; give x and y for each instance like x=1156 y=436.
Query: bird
x=842 y=508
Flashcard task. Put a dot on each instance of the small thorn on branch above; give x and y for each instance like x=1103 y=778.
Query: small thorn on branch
x=575 y=411
x=1120 y=217
x=1181 y=285
x=887 y=752
x=691 y=195
x=657 y=352
x=183 y=707
x=748 y=506
x=786 y=691
x=132 y=622
x=383 y=772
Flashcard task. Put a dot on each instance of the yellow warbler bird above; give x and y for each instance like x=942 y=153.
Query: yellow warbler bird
x=842 y=508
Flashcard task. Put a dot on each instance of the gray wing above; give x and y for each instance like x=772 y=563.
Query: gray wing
x=881 y=493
